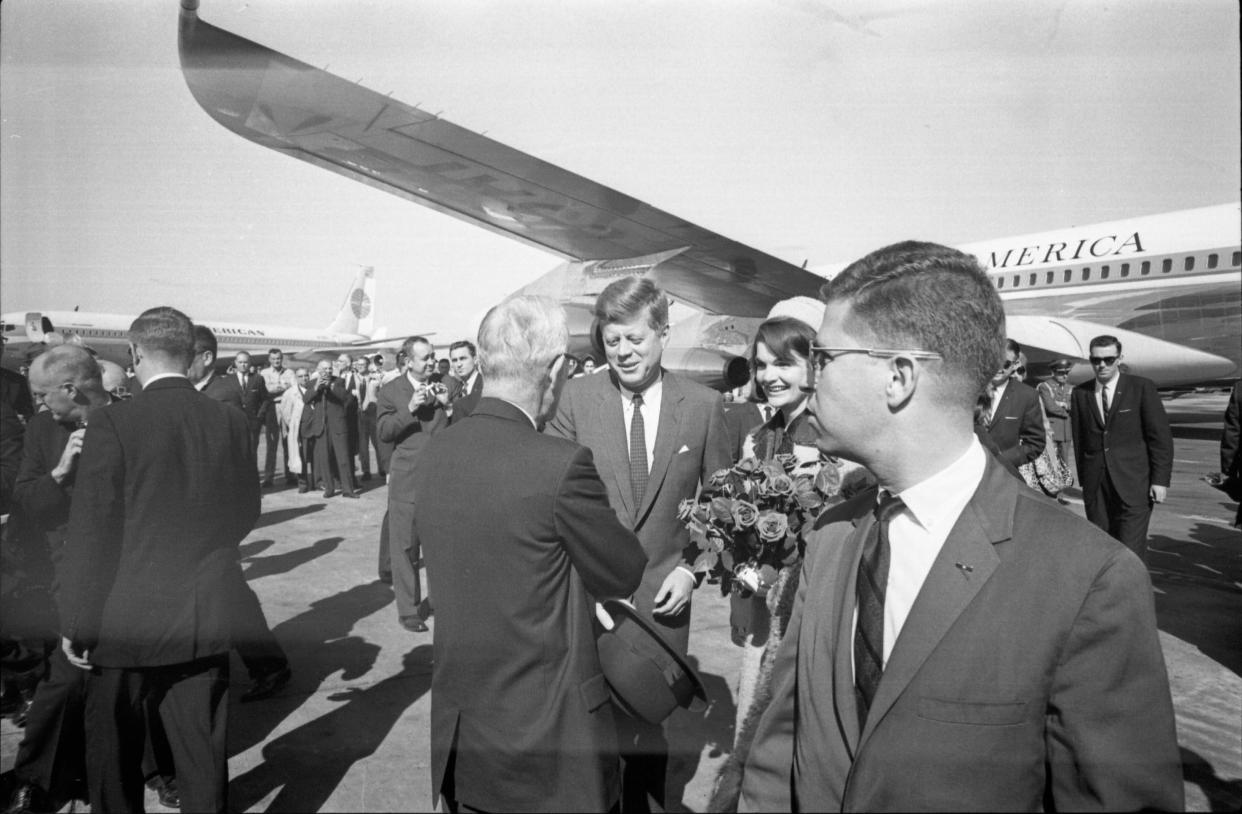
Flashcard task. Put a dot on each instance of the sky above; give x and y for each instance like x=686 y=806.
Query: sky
x=815 y=131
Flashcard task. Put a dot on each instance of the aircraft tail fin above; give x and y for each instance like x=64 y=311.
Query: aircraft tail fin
x=357 y=314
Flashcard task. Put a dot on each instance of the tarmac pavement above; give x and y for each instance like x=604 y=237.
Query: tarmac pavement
x=350 y=732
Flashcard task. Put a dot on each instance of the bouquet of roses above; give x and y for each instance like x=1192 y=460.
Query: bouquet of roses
x=747 y=521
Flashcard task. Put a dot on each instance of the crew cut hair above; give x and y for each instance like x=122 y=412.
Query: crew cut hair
x=69 y=364
x=786 y=338
x=464 y=343
x=1103 y=341
x=164 y=331
x=626 y=299
x=924 y=296
x=520 y=338
x=407 y=346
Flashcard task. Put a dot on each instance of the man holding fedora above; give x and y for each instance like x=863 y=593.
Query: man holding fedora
x=516 y=535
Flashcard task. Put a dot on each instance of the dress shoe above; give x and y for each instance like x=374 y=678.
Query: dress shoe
x=267 y=483
x=166 y=789
x=26 y=797
x=303 y=488
x=354 y=495
x=326 y=493
x=267 y=684
x=291 y=481
x=414 y=624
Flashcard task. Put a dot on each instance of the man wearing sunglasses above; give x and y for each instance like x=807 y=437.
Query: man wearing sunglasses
x=1013 y=419
x=1124 y=447
x=957 y=641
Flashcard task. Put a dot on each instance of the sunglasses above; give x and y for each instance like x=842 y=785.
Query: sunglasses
x=821 y=355
x=1107 y=361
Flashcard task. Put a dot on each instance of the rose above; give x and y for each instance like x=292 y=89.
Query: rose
x=744 y=514
x=828 y=481
x=781 y=486
x=746 y=466
x=804 y=493
x=721 y=510
x=771 y=469
x=718 y=477
x=787 y=460
x=772 y=526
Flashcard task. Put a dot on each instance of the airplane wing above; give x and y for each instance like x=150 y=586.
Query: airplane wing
x=307 y=113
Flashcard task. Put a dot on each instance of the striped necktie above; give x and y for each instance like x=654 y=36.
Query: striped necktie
x=871 y=586
x=638 y=451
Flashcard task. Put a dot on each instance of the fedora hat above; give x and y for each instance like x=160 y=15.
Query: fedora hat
x=647 y=677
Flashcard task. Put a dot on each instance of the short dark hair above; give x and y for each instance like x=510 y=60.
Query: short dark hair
x=164 y=330
x=275 y=350
x=1013 y=347
x=411 y=341
x=1104 y=340
x=626 y=299
x=929 y=297
x=785 y=338
x=204 y=339
x=464 y=343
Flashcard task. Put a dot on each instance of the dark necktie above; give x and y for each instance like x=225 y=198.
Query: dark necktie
x=872 y=584
x=1104 y=401
x=638 y=451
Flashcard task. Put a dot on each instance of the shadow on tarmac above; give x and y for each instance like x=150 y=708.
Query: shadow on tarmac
x=1222 y=795
x=318 y=644
x=281 y=515
x=1197 y=597
x=690 y=732
x=254 y=548
x=308 y=763
x=259 y=567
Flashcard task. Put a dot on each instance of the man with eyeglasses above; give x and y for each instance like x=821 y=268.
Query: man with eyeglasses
x=1013 y=419
x=1124 y=447
x=957 y=641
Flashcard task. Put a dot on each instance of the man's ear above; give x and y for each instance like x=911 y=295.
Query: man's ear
x=903 y=380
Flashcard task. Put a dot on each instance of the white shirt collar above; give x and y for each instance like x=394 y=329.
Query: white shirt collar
x=159 y=376
x=941 y=497
x=653 y=393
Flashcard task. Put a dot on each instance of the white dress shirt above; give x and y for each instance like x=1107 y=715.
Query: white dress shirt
x=651 y=415
x=1111 y=387
x=996 y=399
x=917 y=533
x=159 y=376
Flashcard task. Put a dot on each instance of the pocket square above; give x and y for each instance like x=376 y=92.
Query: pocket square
x=684 y=448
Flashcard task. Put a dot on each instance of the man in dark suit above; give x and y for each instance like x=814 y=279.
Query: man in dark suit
x=464 y=359
x=327 y=425
x=149 y=570
x=956 y=641
x=412 y=408
x=355 y=384
x=265 y=659
x=1013 y=418
x=655 y=438
x=253 y=394
x=519 y=535
x=1124 y=447
x=51 y=756
x=740 y=419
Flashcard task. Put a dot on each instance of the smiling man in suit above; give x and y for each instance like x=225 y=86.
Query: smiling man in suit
x=1013 y=419
x=1124 y=447
x=655 y=437
x=957 y=641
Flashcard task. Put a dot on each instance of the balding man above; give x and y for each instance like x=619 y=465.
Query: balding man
x=326 y=402
x=67 y=380
x=166 y=491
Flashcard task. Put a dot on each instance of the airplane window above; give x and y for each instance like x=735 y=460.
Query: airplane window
x=1000 y=282
x=1086 y=274
x=1017 y=280
x=1051 y=275
x=1237 y=259
x=1166 y=266
x=1190 y=264
x=1034 y=276
x=1069 y=273
x=1146 y=268
x=1125 y=269
x=1212 y=260
x=1104 y=272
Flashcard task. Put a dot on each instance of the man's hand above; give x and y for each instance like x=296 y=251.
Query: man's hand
x=441 y=394
x=69 y=457
x=1156 y=494
x=674 y=594
x=79 y=659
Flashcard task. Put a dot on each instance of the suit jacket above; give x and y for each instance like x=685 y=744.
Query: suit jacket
x=1017 y=424
x=40 y=503
x=166 y=489
x=330 y=405
x=224 y=388
x=1034 y=679
x=516 y=534
x=252 y=400
x=1230 y=461
x=465 y=403
x=408 y=432
x=741 y=420
x=692 y=442
x=1134 y=445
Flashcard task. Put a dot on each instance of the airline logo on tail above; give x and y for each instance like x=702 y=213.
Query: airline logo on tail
x=356 y=317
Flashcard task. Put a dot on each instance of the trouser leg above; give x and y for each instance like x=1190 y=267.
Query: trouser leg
x=193 y=704
x=644 y=764
x=404 y=558
x=52 y=753
x=323 y=463
x=114 y=739
x=340 y=446
x=1128 y=522
x=384 y=567
x=271 y=436
x=252 y=637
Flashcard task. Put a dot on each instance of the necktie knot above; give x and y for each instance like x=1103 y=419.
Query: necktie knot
x=637 y=400
x=888 y=507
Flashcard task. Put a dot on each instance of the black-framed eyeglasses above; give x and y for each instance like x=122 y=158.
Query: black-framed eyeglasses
x=1107 y=361
x=822 y=355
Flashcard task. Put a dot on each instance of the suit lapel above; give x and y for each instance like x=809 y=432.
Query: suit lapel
x=843 y=588
x=616 y=457
x=666 y=437
x=948 y=589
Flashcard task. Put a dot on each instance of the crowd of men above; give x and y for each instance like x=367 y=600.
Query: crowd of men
x=1015 y=663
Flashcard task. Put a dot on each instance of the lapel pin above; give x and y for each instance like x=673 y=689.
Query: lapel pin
x=965 y=569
